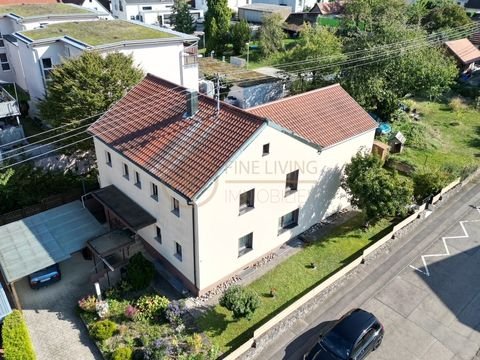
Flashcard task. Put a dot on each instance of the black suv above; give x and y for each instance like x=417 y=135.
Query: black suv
x=353 y=337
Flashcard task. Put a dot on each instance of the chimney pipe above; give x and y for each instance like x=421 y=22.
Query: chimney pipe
x=192 y=102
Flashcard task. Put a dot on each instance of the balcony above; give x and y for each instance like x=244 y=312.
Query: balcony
x=8 y=105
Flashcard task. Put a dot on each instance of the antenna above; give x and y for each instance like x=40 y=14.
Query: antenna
x=217 y=78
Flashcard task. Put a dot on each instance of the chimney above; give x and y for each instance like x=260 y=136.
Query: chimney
x=192 y=103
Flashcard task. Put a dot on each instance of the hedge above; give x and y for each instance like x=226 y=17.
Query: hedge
x=16 y=339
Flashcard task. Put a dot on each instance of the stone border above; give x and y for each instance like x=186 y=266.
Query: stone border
x=290 y=314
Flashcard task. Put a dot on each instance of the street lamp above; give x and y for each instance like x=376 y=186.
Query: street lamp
x=248 y=48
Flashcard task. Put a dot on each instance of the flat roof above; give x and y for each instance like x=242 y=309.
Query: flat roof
x=37 y=10
x=100 y=32
x=44 y=239
x=232 y=73
x=265 y=7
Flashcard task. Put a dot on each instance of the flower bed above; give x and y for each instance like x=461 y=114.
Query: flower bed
x=144 y=325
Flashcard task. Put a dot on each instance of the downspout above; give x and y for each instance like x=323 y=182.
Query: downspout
x=195 y=283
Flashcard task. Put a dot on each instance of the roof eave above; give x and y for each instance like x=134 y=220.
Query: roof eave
x=294 y=135
x=350 y=138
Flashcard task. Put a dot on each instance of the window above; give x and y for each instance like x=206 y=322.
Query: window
x=120 y=5
x=158 y=234
x=178 y=251
x=2 y=44
x=138 y=183
x=154 y=191
x=47 y=67
x=108 y=158
x=247 y=200
x=132 y=17
x=126 y=175
x=245 y=244
x=146 y=8
x=288 y=221
x=4 y=62
x=176 y=207
x=67 y=51
x=291 y=183
x=266 y=149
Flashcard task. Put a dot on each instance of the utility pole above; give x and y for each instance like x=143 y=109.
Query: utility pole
x=218 y=92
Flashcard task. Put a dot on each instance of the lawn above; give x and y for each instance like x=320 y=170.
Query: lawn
x=42 y=9
x=292 y=279
x=452 y=138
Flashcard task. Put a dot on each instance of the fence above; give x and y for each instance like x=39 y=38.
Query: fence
x=338 y=275
x=47 y=203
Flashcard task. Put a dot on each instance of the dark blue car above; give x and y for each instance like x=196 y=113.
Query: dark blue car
x=45 y=277
x=353 y=337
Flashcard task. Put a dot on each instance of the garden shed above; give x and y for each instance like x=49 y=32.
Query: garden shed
x=397 y=143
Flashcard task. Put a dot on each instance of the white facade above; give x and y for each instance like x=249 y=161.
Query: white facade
x=31 y=61
x=210 y=226
x=149 y=12
x=96 y=6
x=295 y=5
x=174 y=229
x=232 y=4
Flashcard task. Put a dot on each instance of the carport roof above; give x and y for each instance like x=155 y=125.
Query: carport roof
x=41 y=240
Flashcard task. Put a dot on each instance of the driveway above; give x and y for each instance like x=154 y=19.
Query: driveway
x=56 y=330
x=425 y=289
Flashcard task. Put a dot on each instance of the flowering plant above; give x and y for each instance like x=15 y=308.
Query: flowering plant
x=131 y=312
x=88 y=303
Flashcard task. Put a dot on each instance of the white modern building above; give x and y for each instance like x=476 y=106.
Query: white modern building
x=222 y=188
x=232 y=4
x=34 y=53
x=294 y=5
x=95 y=5
x=15 y=18
x=153 y=12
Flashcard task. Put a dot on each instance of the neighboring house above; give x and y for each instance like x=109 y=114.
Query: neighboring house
x=254 y=13
x=232 y=4
x=328 y=8
x=97 y=5
x=294 y=5
x=246 y=88
x=152 y=12
x=465 y=52
x=471 y=5
x=225 y=186
x=34 y=53
x=295 y=22
x=11 y=133
x=20 y=17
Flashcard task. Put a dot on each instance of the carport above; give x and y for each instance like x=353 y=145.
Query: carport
x=44 y=239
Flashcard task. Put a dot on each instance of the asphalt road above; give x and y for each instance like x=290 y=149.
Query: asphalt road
x=425 y=290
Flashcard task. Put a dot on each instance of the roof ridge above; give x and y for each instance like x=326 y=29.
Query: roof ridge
x=296 y=96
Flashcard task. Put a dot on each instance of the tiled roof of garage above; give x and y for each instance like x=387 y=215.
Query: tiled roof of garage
x=148 y=127
x=325 y=116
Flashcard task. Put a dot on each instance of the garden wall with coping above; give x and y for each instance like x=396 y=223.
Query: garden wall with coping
x=306 y=303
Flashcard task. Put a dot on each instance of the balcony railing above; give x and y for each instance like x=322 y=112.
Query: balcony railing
x=8 y=105
x=190 y=55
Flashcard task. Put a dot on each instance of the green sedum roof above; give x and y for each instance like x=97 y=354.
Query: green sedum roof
x=42 y=10
x=99 y=32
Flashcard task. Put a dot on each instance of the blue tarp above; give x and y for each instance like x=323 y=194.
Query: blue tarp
x=44 y=239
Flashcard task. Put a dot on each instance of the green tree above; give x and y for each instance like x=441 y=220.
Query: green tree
x=392 y=72
x=240 y=37
x=181 y=18
x=86 y=86
x=217 y=26
x=449 y=15
x=271 y=35
x=429 y=182
x=320 y=47
x=376 y=191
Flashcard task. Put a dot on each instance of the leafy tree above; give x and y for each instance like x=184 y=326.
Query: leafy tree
x=242 y=302
x=449 y=15
x=240 y=36
x=271 y=35
x=376 y=191
x=86 y=86
x=379 y=81
x=140 y=272
x=217 y=25
x=320 y=47
x=181 y=18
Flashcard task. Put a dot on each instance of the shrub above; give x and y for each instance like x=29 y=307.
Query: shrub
x=131 y=312
x=457 y=104
x=122 y=353
x=242 y=302
x=195 y=343
x=88 y=303
x=103 y=329
x=415 y=133
x=151 y=306
x=140 y=272
x=174 y=312
x=429 y=182
x=16 y=339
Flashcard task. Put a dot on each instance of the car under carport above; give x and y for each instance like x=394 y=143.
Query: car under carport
x=44 y=239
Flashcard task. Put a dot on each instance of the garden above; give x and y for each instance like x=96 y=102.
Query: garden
x=136 y=323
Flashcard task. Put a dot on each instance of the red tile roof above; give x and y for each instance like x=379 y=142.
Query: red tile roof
x=325 y=116
x=464 y=50
x=148 y=127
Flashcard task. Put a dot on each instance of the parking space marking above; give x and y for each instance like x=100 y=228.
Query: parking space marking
x=447 y=250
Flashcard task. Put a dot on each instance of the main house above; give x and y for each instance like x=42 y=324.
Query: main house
x=211 y=188
x=33 y=52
